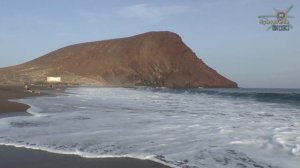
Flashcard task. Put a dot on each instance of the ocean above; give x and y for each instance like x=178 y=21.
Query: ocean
x=187 y=128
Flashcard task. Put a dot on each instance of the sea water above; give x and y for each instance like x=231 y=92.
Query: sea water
x=205 y=128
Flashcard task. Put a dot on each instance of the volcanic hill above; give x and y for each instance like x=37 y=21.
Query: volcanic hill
x=150 y=59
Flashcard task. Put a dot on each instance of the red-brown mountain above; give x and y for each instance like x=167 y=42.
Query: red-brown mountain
x=150 y=59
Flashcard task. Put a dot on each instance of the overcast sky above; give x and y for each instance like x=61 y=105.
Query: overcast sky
x=226 y=34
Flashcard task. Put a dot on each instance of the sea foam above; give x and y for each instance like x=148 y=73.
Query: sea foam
x=182 y=128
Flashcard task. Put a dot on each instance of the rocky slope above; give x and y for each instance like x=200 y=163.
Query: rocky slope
x=150 y=59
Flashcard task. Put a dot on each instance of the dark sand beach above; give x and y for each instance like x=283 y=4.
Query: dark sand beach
x=13 y=157
x=13 y=92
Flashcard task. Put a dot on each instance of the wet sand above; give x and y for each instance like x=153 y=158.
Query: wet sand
x=8 y=93
x=13 y=157
x=13 y=92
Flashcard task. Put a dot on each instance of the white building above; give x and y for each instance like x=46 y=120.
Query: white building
x=52 y=79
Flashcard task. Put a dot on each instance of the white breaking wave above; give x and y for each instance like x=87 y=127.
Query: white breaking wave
x=178 y=129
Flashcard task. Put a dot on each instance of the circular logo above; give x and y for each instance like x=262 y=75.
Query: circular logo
x=281 y=15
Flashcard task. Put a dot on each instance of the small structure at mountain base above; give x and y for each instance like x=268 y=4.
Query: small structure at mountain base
x=51 y=79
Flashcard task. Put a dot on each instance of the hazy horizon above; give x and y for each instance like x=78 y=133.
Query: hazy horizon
x=226 y=35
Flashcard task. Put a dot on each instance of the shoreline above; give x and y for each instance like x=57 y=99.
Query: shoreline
x=13 y=157
x=8 y=93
